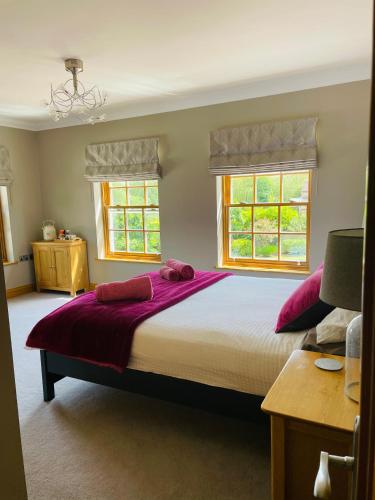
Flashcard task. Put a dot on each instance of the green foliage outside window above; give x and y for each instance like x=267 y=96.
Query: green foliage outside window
x=261 y=230
x=132 y=229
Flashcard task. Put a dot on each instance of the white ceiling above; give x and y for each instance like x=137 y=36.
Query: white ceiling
x=159 y=55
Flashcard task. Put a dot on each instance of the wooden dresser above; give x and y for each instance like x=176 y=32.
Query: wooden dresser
x=61 y=265
x=309 y=414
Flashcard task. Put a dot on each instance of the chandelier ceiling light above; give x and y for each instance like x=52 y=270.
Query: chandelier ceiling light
x=72 y=97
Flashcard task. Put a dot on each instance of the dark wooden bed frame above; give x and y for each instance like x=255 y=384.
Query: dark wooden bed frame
x=214 y=399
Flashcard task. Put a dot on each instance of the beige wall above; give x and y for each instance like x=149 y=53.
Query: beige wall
x=25 y=201
x=12 y=483
x=54 y=159
x=188 y=192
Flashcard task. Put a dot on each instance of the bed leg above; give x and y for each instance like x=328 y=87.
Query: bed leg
x=47 y=379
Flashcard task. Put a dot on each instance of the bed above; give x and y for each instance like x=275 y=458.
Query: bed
x=215 y=350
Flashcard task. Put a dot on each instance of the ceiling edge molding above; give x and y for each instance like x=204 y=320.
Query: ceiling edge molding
x=20 y=123
x=320 y=77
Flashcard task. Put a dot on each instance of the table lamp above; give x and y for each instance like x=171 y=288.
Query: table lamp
x=342 y=287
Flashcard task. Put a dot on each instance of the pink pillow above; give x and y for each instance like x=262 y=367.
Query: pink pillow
x=304 y=309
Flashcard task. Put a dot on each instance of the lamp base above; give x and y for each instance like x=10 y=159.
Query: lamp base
x=353 y=391
x=352 y=359
x=328 y=364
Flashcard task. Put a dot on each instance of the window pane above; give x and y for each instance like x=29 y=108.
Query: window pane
x=136 y=196
x=118 y=197
x=240 y=246
x=240 y=219
x=268 y=189
x=135 y=183
x=295 y=187
x=117 y=184
x=152 y=220
x=117 y=241
x=242 y=190
x=134 y=219
x=266 y=219
x=266 y=246
x=293 y=219
x=135 y=241
x=152 y=182
x=152 y=242
x=152 y=196
x=116 y=218
x=293 y=247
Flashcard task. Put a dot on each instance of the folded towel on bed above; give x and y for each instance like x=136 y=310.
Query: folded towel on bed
x=185 y=270
x=139 y=288
x=169 y=274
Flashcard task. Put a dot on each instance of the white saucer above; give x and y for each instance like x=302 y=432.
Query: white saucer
x=329 y=364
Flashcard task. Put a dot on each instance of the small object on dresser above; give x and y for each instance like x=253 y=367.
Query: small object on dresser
x=49 y=230
x=61 y=234
x=331 y=365
x=67 y=235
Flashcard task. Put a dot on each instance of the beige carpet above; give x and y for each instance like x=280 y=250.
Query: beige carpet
x=94 y=442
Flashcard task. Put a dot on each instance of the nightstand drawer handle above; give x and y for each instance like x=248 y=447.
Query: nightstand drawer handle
x=322 y=487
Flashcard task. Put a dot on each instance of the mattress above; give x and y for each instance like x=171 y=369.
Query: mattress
x=222 y=336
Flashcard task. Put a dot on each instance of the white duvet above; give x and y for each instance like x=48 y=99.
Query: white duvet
x=221 y=336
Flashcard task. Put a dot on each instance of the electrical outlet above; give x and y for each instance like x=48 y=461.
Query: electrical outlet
x=23 y=258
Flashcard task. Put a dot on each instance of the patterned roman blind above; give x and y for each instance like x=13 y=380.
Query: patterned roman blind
x=5 y=170
x=264 y=147
x=135 y=159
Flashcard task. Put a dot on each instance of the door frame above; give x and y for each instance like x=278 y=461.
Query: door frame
x=366 y=452
x=13 y=482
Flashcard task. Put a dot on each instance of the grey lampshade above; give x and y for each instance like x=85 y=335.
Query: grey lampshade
x=342 y=275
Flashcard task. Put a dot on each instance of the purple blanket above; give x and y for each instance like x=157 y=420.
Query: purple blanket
x=102 y=333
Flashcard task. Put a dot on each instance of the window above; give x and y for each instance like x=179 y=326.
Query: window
x=266 y=220
x=3 y=247
x=131 y=220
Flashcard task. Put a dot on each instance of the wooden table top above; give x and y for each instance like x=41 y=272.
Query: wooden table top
x=58 y=242
x=304 y=392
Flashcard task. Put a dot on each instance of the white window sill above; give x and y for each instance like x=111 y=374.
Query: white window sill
x=263 y=269
x=10 y=263
x=134 y=261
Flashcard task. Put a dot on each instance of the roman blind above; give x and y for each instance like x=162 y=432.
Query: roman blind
x=135 y=159
x=5 y=170
x=264 y=147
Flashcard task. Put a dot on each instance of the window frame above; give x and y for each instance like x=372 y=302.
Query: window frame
x=3 y=243
x=126 y=256
x=263 y=264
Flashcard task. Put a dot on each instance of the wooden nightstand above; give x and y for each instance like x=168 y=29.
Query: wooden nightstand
x=309 y=414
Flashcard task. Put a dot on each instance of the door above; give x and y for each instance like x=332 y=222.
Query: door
x=61 y=265
x=44 y=266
